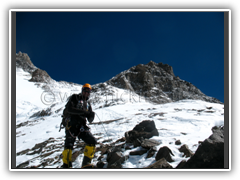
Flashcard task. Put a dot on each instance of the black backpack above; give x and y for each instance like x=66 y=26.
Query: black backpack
x=65 y=116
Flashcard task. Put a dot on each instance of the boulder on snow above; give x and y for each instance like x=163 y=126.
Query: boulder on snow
x=210 y=153
x=151 y=152
x=186 y=151
x=115 y=157
x=139 y=152
x=118 y=163
x=149 y=143
x=144 y=130
x=160 y=164
x=178 y=142
x=164 y=152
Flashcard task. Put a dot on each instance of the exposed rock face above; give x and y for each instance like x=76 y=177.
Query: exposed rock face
x=210 y=153
x=158 y=84
x=23 y=61
x=155 y=82
x=40 y=76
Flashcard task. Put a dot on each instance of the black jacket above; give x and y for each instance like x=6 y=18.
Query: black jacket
x=78 y=108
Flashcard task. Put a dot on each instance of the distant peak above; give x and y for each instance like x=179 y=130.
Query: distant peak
x=151 y=63
x=23 y=61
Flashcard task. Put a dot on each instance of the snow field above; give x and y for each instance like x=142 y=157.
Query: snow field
x=189 y=121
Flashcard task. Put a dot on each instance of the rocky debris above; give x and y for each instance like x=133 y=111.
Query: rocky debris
x=149 y=143
x=100 y=164
x=186 y=151
x=144 y=130
x=139 y=152
x=115 y=158
x=160 y=164
x=155 y=114
x=164 y=152
x=209 y=111
x=45 y=112
x=210 y=153
x=157 y=83
x=151 y=152
x=178 y=142
x=29 y=123
x=118 y=163
x=43 y=151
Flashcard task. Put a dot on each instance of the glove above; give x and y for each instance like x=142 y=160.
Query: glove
x=91 y=117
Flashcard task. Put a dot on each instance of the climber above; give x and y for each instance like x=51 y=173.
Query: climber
x=77 y=111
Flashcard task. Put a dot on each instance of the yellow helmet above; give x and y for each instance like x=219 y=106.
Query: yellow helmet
x=87 y=86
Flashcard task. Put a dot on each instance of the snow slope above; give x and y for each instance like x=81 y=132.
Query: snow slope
x=189 y=121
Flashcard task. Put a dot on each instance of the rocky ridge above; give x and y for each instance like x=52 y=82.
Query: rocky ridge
x=40 y=77
x=155 y=82
x=158 y=84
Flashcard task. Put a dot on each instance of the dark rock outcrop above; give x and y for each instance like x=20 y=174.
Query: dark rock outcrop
x=138 y=152
x=115 y=157
x=210 y=153
x=40 y=76
x=178 y=142
x=160 y=164
x=164 y=152
x=23 y=61
x=186 y=151
x=149 y=143
x=44 y=112
x=151 y=152
x=144 y=130
x=157 y=83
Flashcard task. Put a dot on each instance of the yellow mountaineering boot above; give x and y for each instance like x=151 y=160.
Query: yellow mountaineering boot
x=88 y=155
x=67 y=158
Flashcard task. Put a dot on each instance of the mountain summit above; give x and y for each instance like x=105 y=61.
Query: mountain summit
x=38 y=75
x=130 y=133
x=157 y=83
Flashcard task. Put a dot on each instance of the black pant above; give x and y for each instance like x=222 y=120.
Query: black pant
x=87 y=137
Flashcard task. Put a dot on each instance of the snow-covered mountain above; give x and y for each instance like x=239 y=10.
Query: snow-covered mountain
x=158 y=84
x=179 y=110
